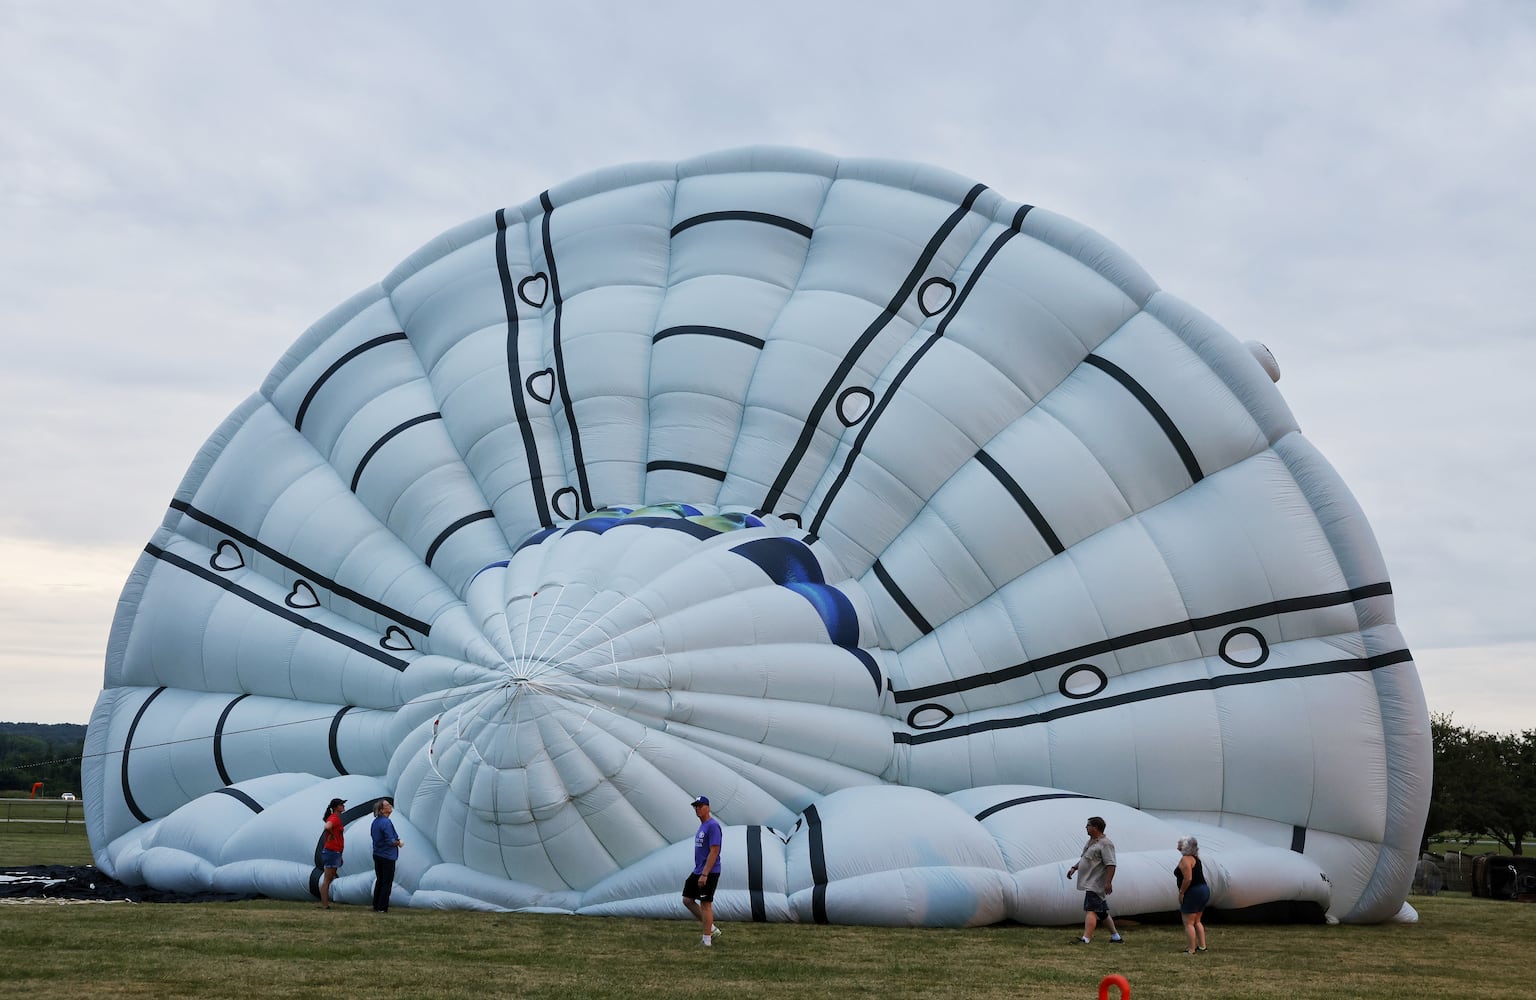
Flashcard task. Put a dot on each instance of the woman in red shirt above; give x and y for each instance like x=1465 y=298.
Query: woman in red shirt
x=330 y=851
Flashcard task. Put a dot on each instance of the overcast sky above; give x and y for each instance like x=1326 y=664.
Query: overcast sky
x=185 y=187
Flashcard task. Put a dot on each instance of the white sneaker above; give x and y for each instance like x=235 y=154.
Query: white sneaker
x=714 y=932
x=707 y=942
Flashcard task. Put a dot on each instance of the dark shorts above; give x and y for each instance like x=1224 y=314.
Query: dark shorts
x=703 y=893
x=1195 y=899
x=330 y=859
x=1094 y=903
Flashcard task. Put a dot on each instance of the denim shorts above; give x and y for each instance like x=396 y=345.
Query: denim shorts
x=330 y=859
x=1195 y=899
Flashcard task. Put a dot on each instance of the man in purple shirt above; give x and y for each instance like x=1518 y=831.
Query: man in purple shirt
x=699 y=887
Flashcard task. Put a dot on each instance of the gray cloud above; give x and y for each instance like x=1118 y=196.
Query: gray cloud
x=185 y=187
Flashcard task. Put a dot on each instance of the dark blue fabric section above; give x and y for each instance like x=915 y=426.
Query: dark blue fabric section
x=785 y=560
x=835 y=610
x=533 y=539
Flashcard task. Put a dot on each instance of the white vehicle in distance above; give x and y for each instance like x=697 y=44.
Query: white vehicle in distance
x=68 y=796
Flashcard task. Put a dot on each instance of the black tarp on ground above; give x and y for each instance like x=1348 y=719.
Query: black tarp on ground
x=85 y=882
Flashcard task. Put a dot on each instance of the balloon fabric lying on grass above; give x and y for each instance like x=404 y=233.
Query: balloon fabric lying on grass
x=909 y=524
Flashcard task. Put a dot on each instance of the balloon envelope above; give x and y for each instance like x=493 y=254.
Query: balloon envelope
x=909 y=524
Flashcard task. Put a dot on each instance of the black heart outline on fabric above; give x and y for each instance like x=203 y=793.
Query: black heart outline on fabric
x=935 y=295
x=546 y=379
x=302 y=596
x=396 y=639
x=560 y=500
x=845 y=404
x=220 y=560
x=541 y=292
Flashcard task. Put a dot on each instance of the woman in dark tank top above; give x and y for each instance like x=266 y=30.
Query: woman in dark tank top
x=1194 y=893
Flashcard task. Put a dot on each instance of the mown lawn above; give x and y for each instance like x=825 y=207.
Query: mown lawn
x=1462 y=947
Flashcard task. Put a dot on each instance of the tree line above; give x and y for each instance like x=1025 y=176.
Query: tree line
x=32 y=751
x=1485 y=785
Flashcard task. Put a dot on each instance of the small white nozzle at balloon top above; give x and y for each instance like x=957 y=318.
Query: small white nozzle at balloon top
x=1265 y=358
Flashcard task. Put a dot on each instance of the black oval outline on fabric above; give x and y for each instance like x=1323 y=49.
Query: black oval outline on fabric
x=547 y=373
x=1245 y=630
x=912 y=716
x=556 y=502
x=842 y=401
x=922 y=293
x=522 y=289
x=1061 y=685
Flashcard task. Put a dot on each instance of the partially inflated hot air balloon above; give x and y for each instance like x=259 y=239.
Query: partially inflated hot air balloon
x=909 y=524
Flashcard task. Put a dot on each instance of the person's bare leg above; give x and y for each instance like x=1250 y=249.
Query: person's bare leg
x=1189 y=931
x=707 y=917
x=1200 y=929
x=1089 y=923
x=325 y=888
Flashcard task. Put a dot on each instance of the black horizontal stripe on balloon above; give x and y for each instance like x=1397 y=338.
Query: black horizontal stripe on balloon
x=336 y=366
x=357 y=645
x=515 y=373
x=303 y=571
x=1165 y=422
x=565 y=392
x=666 y=465
x=448 y=532
x=388 y=436
x=829 y=391
x=1110 y=645
x=894 y=387
x=1347 y=666
x=718 y=332
x=1026 y=800
x=744 y=216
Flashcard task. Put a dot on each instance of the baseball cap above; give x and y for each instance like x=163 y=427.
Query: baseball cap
x=336 y=802
x=702 y=800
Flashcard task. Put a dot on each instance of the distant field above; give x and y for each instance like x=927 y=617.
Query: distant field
x=1462 y=947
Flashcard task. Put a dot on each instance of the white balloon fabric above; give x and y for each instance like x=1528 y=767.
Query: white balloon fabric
x=911 y=525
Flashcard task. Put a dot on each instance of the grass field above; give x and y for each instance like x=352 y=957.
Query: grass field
x=1462 y=947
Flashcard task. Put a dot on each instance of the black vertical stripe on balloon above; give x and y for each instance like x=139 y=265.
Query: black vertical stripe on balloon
x=565 y=392
x=818 y=857
x=336 y=366
x=900 y=597
x=1169 y=428
x=1156 y=633
x=133 y=727
x=333 y=741
x=218 y=739
x=388 y=436
x=889 y=312
x=301 y=569
x=515 y=374
x=891 y=389
x=1021 y=498
x=755 y=873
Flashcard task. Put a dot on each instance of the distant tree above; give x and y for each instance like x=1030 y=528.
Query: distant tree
x=1485 y=784
x=33 y=752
